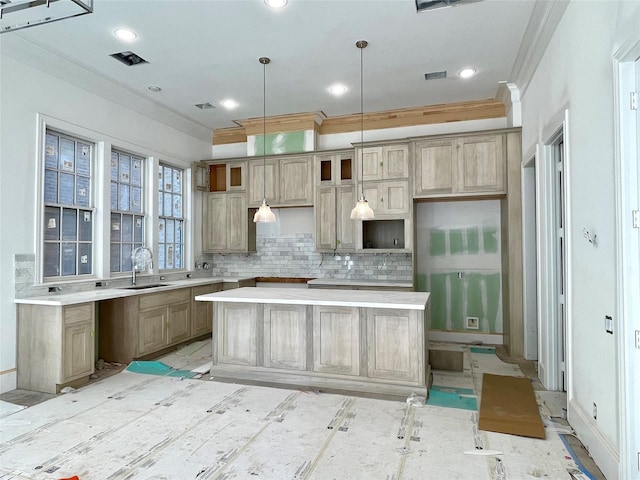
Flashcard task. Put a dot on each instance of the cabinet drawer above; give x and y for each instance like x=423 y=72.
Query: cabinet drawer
x=78 y=313
x=154 y=300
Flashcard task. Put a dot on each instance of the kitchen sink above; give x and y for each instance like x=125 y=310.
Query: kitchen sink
x=142 y=287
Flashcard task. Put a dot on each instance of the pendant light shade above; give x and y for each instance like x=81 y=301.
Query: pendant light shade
x=264 y=213
x=362 y=210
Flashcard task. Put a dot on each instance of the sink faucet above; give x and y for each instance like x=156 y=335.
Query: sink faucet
x=141 y=258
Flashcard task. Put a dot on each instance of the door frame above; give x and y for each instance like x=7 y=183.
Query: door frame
x=549 y=338
x=627 y=183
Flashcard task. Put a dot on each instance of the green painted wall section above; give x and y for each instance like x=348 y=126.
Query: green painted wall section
x=459 y=241
x=474 y=295
x=284 y=142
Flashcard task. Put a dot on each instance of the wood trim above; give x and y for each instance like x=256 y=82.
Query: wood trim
x=11 y=370
x=223 y=136
x=406 y=117
x=444 y=113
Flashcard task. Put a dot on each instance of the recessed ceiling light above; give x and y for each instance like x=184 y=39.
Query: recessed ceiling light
x=125 y=34
x=337 y=89
x=467 y=72
x=229 y=104
x=275 y=3
x=154 y=88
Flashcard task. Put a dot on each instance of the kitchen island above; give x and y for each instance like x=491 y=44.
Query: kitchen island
x=366 y=342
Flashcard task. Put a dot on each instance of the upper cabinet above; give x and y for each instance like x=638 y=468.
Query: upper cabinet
x=470 y=165
x=220 y=176
x=334 y=169
x=227 y=224
x=286 y=181
x=384 y=162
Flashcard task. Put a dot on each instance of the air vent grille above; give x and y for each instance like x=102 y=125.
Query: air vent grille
x=129 y=58
x=435 y=75
x=204 y=106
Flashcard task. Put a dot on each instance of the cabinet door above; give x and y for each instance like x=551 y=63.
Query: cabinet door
x=325 y=213
x=214 y=225
x=345 y=227
x=179 y=322
x=152 y=330
x=435 y=167
x=236 y=222
x=236 y=328
x=78 y=354
x=296 y=184
x=370 y=161
x=395 y=161
x=336 y=340
x=285 y=336
x=394 y=345
x=480 y=164
x=388 y=197
x=256 y=179
x=236 y=176
x=202 y=312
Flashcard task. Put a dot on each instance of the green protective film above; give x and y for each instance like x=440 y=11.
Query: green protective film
x=490 y=239
x=437 y=243
x=473 y=241
x=281 y=143
x=438 y=300
x=456 y=241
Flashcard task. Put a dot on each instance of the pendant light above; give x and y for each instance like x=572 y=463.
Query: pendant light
x=264 y=213
x=362 y=210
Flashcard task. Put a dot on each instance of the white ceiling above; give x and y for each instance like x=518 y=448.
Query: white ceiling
x=207 y=51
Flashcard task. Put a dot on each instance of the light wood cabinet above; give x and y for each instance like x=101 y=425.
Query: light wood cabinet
x=472 y=165
x=395 y=347
x=226 y=225
x=139 y=326
x=164 y=319
x=384 y=162
x=335 y=231
x=55 y=346
x=236 y=340
x=336 y=340
x=219 y=176
x=285 y=336
x=388 y=198
x=333 y=169
x=286 y=181
x=202 y=312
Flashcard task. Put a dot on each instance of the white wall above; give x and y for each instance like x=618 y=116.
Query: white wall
x=25 y=93
x=576 y=73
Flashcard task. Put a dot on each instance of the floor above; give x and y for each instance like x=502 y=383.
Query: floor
x=127 y=425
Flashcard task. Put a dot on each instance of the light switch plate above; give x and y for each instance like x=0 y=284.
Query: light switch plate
x=608 y=324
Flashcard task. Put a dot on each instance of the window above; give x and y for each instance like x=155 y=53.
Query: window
x=171 y=218
x=68 y=214
x=127 y=209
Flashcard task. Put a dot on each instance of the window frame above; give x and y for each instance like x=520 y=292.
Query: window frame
x=162 y=219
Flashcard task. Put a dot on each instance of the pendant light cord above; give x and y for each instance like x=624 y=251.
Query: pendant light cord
x=264 y=132
x=361 y=125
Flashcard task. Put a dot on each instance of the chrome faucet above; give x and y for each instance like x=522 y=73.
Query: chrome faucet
x=141 y=258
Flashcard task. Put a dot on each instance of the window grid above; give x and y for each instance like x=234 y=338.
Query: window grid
x=68 y=214
x=127 y=209
x=171 y=219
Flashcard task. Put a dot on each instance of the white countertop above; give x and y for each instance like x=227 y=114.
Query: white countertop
x=340 y=298
x=360 y=283
x=107 y=293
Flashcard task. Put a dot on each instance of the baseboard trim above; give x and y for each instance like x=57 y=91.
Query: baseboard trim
x=8 y=380
x=600 y=449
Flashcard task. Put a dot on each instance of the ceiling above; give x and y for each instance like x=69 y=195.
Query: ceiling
x=207 y=51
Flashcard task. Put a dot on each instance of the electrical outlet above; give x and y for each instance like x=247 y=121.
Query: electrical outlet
x=637 y=338
x=608 y=324
x=595 y=411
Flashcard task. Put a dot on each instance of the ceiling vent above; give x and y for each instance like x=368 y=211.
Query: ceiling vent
x=424 y=5
x=128 y=58
x=435 y=75
x=204 y=106
x=18 y=14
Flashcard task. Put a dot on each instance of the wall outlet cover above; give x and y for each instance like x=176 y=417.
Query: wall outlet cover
x=473 y=323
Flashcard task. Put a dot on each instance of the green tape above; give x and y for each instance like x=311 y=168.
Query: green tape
x=487 y=350
x=456 y=242
x=438 y=289
x=437 y=243
x=473 y=241
x=490 y=239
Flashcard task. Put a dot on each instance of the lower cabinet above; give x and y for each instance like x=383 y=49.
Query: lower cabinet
x=393 y=354
x=55 y=346
x=134 y=327
x=367 y=349
x=336 y=340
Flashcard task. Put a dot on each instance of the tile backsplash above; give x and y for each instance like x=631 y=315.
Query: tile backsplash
x=293 y=255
